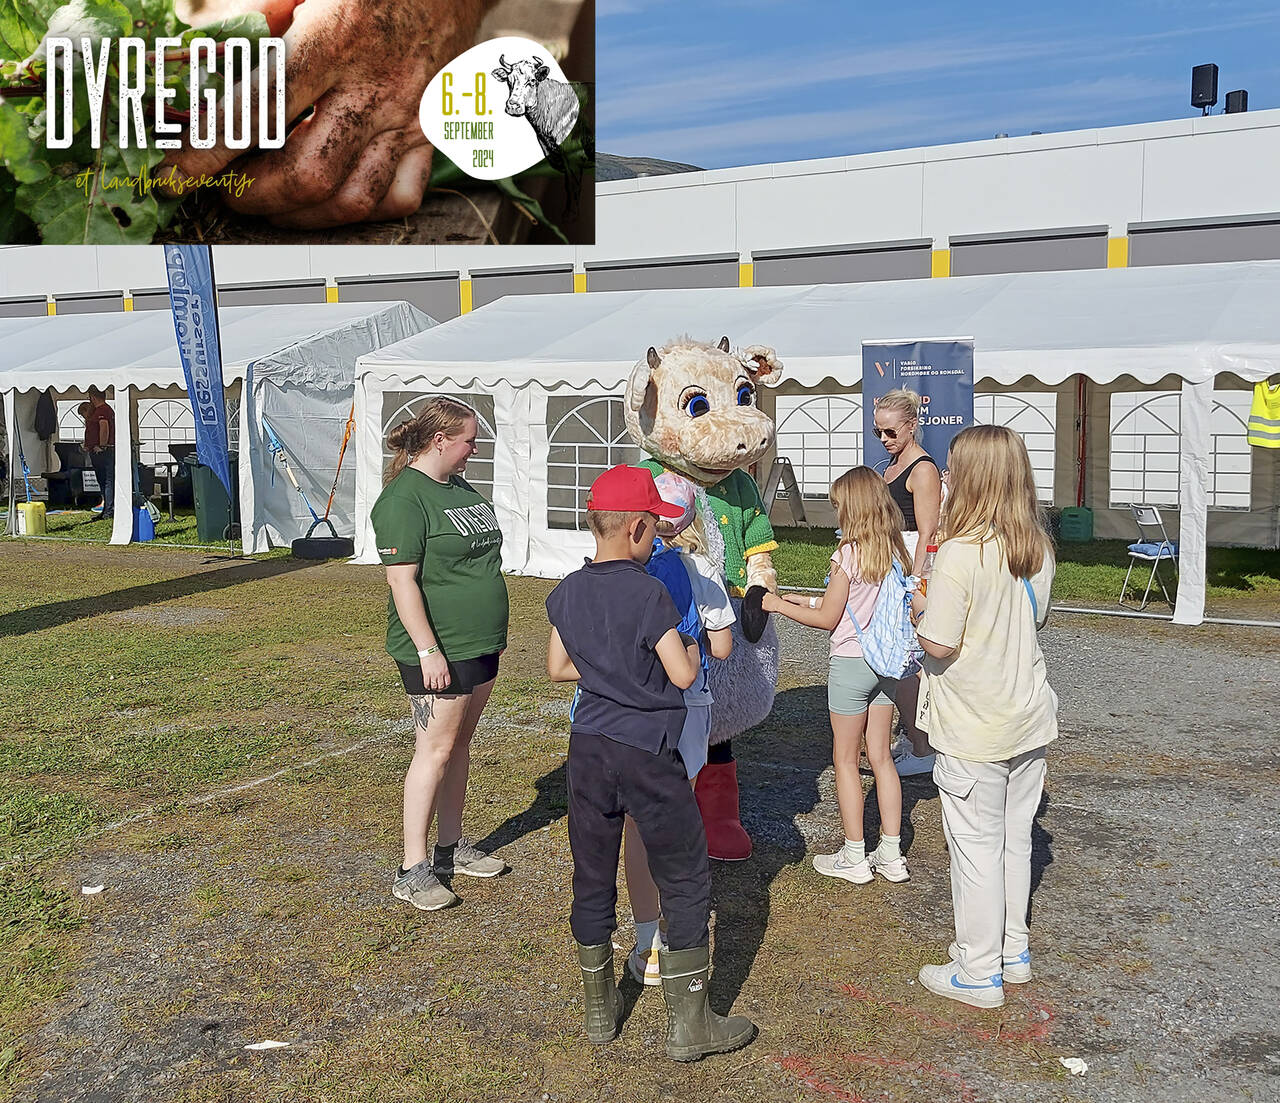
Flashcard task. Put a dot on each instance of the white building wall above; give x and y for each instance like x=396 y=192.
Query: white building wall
x=1189 y=168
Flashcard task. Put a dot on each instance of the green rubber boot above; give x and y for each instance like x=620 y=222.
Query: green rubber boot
x=693 y=1029
x=600 y=992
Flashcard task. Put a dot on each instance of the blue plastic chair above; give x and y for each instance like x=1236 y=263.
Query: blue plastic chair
x=1153 y=546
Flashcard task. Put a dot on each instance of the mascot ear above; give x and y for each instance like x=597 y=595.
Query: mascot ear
x=724 y=344
x=640 y=382
x=762 y=365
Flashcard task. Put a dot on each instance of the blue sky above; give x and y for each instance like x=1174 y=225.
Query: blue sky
x=716 y=83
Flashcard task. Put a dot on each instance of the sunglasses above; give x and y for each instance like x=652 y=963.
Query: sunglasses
x=891 y=434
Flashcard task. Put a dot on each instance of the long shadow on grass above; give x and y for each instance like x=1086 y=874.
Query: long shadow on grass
x=551 y=804
x=779 y=763
x=36 y=619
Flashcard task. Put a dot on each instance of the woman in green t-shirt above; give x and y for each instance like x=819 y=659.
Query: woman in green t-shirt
x=446 y=626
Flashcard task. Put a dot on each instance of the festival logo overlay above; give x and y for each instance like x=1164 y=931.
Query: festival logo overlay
x=123 y=123
x=500 y=108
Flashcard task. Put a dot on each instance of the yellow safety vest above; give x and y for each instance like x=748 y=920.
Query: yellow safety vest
x=1264 y=416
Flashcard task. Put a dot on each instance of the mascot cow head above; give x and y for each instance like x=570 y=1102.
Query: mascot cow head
x=693 y=406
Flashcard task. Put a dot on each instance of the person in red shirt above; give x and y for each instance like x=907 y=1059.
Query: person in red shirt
x=100 y=443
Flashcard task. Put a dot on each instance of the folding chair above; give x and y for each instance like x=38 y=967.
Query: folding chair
x=1152 y=547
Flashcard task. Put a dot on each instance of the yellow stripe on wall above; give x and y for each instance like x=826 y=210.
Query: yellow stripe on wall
x=941 y=263
x=579 y=282
x=746 y=275
x=464 y=295
x=1117 y=252
x=128 y=304
x=331 y=294
x=53 y=309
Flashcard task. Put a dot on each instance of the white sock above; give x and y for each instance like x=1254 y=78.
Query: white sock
x=855 y=852
x=647 y=935
x=890 y=847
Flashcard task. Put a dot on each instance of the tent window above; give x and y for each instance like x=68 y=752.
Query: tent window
x=822 y=437
x=584 y=439
x=400 y=406
x=1033 y=416
x=162 y=422
x=70 y=423
x=1146 y=449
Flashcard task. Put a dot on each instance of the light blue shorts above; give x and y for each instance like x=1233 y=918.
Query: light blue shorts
x=853 y=687
x=693 y=738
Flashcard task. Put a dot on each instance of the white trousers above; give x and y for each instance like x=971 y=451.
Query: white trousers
x=987 y=813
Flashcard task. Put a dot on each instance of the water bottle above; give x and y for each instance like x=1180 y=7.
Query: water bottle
x=926 y=568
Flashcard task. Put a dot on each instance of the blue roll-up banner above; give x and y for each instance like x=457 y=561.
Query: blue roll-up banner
x=940 y=371
x=195 y=321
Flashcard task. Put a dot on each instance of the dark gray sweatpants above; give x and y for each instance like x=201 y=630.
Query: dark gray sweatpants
x=608 y=780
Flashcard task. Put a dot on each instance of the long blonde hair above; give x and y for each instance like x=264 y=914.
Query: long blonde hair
x=871 y=520
x=993 y=496
x=693 y=537
x=439 y=415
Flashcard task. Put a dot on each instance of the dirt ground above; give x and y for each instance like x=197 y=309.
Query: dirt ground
x=263 y=913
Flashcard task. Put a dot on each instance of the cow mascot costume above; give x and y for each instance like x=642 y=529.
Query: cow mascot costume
x=693 y=408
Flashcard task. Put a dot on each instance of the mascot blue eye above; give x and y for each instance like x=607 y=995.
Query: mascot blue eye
x=698 y=405
x=745 y=394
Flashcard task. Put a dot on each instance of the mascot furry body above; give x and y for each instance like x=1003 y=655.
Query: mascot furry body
x=692 y=407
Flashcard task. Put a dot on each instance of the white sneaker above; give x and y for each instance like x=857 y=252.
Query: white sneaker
x=947 y=980
x=1015 y=970
x=837 y=865
x=911 y=764
x=891 y=869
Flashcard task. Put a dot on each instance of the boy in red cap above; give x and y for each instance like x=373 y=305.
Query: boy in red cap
x=614 y=632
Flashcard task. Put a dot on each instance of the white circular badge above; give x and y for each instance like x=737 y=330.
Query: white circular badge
x=499 y=108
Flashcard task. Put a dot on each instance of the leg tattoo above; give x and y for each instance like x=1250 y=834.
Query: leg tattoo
x=423 y=709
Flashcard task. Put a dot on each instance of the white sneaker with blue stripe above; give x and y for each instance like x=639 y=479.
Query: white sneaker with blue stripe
x=1016 y=970
x=948 y=980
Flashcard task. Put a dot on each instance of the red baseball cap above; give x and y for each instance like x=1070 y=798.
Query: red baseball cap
x=624 y=489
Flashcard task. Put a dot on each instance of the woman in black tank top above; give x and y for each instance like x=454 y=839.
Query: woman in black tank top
x=914 y=483
x=913 y=478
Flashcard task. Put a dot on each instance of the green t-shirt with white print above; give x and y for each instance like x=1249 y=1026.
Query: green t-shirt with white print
x=450 y=533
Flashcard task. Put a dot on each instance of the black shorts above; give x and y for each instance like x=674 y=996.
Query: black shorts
x=464 y=676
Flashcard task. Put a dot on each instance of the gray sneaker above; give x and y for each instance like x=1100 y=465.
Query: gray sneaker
x=468 y=860
x=421 y=888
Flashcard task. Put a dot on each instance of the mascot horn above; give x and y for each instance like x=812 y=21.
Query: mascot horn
x=693 y=408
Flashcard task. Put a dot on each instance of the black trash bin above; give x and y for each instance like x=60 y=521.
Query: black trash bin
x=214 y=520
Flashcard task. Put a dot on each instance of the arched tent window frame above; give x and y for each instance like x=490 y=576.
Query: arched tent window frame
x=1024 y=401
x=486 y=435
x=813 y=485
x=1220 y=498
x=618 y=449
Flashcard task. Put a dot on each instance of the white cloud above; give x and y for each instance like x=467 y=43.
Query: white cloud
x=920 y=121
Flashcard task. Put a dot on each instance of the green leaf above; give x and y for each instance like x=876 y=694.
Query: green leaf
x=100 y=204
x=509 y=187
x=250 y=25
x=18 y=153
x=95 y=19
x=22 y=24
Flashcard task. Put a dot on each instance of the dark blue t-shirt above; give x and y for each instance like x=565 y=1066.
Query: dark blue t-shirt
x=610 y=616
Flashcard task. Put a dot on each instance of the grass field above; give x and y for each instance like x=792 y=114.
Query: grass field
x=1240 y=582
x=221 y=743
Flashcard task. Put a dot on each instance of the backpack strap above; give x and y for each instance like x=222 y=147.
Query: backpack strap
x=1035 y=608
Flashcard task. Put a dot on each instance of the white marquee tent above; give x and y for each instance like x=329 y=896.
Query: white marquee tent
x=294 y=363
x=529 y=364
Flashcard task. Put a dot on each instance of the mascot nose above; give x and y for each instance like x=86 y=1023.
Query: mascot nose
x=764 y=443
